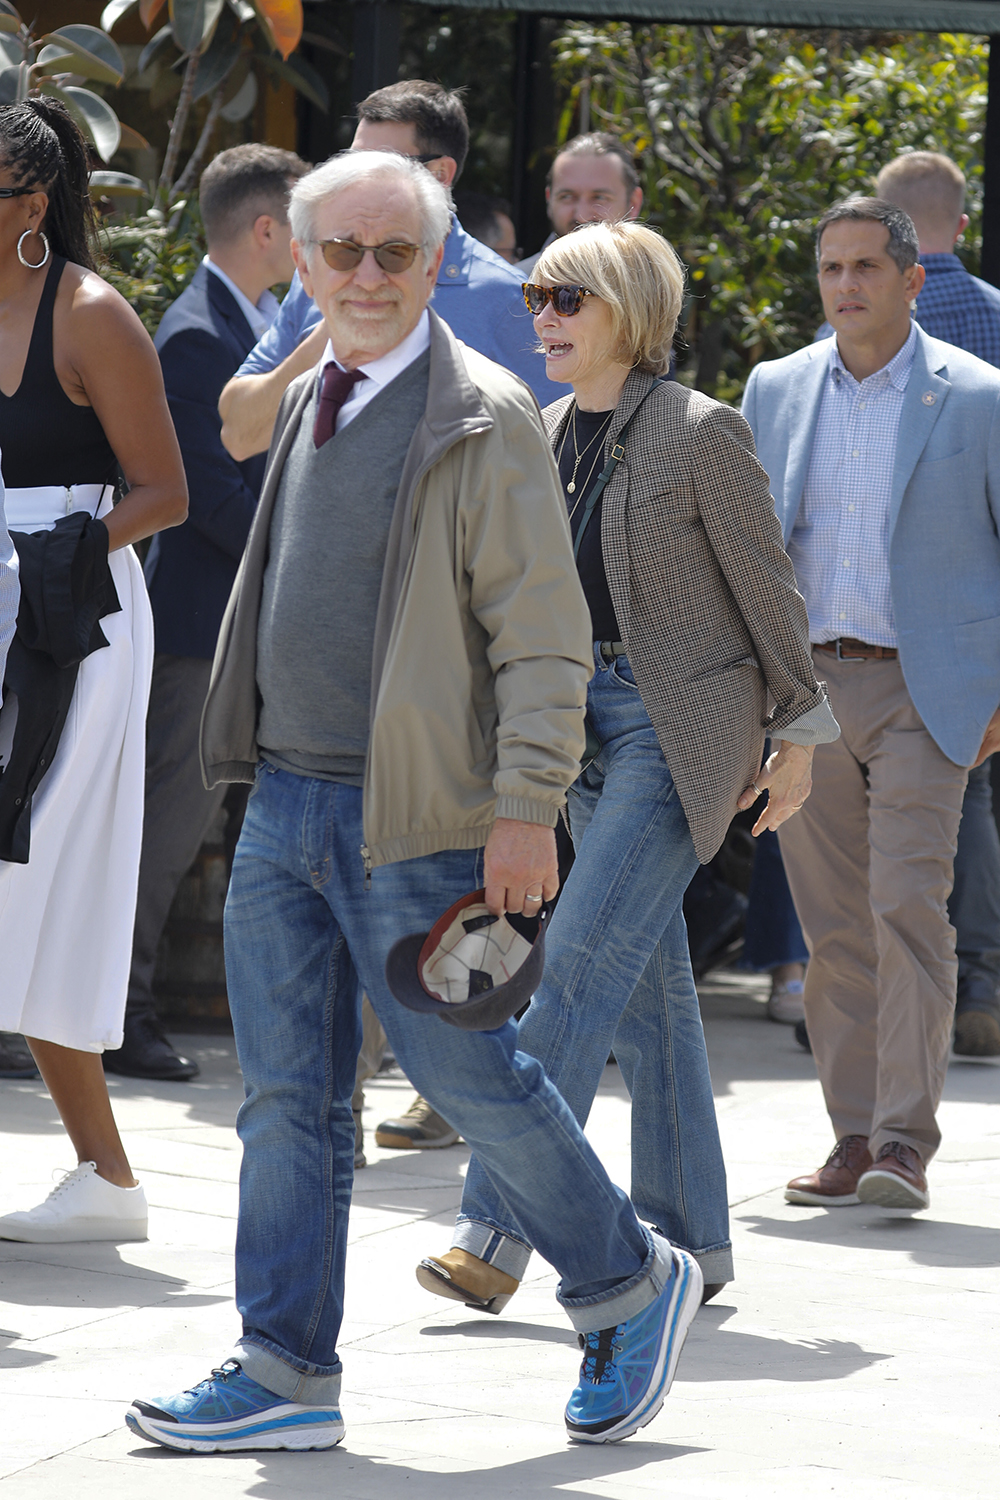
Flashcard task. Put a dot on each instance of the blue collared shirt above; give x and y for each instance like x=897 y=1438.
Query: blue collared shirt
x=477 y=294
x=840 y=545
x=959 y=308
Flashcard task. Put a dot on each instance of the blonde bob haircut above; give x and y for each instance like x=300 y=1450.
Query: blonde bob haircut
x=636 y=272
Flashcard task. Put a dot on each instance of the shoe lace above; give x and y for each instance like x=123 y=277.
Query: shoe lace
x=599 y=1350
x=418 y=1110
x=68 y=1177
x=838 y=1156
x=223 y=1372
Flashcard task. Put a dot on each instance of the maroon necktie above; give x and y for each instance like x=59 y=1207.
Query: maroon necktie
x=337 y=386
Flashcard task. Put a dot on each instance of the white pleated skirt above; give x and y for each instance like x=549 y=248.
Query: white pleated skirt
x=66 y=917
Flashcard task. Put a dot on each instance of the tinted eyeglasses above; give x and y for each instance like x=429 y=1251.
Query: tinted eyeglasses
x=566 y=300
x=20 y=192
x=345 y=255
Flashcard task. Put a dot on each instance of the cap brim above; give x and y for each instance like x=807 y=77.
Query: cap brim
x=483 y=1013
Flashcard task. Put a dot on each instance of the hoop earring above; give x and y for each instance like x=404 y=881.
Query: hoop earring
x=37 y=264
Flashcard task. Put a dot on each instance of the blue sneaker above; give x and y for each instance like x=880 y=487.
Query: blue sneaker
x=230 y=1411
x=628 y=1370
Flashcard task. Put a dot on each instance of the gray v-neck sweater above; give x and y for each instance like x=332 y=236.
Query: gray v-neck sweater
x=321 y=585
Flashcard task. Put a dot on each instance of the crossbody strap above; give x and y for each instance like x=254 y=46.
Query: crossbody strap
x=617 y=454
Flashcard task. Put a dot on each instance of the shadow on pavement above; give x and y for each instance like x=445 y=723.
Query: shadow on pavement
x=351 y=1475
x=928 y=1242
x=716 y=1353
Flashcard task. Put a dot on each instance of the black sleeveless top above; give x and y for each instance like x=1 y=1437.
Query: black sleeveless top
x=45 y=438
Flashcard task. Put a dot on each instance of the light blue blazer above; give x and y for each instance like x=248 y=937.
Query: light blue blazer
x=944 y=552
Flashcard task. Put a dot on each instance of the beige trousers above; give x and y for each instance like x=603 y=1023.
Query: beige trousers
x=870 y=861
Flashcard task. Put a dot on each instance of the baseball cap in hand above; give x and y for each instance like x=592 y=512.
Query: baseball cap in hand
x=473 y=969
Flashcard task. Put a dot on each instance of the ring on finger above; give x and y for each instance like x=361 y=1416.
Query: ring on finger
x=757 y=789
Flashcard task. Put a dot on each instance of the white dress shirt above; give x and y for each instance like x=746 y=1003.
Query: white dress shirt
x=259 y=315
x=840 y=545
x=381 y=371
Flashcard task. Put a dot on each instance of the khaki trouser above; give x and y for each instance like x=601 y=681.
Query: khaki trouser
x=869 y=861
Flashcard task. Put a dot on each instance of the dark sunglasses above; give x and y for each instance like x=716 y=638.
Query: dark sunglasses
x=345 y=255
x=566 y=300
x=16 y=192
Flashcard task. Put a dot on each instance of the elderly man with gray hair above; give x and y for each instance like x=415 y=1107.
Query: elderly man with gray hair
x=402 y=673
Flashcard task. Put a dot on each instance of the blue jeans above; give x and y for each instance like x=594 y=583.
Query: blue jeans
x=974 y=904
x=618 y=978
x=773 y=933
x=302 y=934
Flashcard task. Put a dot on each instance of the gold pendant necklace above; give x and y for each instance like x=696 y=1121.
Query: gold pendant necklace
x=578 y=456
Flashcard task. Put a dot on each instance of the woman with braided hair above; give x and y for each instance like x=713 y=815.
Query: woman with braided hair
x=81 y=408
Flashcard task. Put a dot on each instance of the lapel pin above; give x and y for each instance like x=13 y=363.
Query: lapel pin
x=929 y=398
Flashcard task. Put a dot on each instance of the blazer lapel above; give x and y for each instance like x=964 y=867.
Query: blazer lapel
x=926 y=392
x=228 y=308
x=800 y=416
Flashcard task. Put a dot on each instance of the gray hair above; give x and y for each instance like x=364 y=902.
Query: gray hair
x=352 y=167
x=903 y=246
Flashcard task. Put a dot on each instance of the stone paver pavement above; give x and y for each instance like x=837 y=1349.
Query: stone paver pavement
x=855 y=1355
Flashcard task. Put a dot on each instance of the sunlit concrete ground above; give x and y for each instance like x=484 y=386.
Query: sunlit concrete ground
x=855 y=1355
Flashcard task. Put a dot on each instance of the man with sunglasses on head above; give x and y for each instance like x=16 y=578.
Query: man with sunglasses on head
x=476 y=293
x=402 y=673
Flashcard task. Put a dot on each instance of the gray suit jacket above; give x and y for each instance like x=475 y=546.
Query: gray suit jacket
x=705 y=596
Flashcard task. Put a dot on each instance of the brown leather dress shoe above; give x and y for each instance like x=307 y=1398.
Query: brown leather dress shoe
x=835 y=1185
x=465 y=1278
x=896 y=1180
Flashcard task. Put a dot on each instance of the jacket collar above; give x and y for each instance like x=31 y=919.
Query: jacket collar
x=226 y=305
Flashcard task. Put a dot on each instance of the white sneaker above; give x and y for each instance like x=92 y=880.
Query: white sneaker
x=82 y=1206
x=786 y=1003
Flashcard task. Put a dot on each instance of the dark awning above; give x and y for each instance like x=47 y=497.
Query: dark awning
x=883 y=15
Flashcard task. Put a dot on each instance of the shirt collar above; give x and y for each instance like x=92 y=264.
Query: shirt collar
x=896 y=372
x=259 y=315
x=942 y=260
x=384 y=369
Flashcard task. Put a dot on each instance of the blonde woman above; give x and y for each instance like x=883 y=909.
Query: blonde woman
x=701 y=648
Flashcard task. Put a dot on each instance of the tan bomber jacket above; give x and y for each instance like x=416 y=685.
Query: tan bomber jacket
x=482 y=642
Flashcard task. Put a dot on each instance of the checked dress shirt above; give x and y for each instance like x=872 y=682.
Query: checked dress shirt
x=840 y=545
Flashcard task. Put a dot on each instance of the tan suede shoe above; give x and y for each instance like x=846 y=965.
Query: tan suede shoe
x=465 y=1278
x=835 y=1185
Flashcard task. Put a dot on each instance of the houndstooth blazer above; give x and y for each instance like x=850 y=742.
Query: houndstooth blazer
x=715 y=630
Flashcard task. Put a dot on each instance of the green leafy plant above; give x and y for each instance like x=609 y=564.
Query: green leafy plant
x=218 y=46
x=745 y=136
x=59 y=63
x=151 y=258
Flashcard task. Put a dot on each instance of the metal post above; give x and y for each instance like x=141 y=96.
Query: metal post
x=525 y=43
x=376 y=47
x=989 y=264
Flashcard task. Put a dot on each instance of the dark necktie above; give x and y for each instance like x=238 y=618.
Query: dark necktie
x=337 y=386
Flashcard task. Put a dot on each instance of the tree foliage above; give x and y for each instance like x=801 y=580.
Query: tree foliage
x=152 y=257
x=745 y=136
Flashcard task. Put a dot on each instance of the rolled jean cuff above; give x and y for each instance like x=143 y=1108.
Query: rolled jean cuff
x=716 y=1265
x=493 y=1245
x=629 y=1298
x=271 y=1367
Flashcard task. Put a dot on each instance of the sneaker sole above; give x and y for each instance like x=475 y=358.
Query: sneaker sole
x=820 y=1200
x=687 y=1304
x=297 y=1433
x=887 y=1190
x=122 y=1231
x=406 y=1143
x=433 y=1280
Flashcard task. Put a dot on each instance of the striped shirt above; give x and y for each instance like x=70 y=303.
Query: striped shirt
x=840 y=545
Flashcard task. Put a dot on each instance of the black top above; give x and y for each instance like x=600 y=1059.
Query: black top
x=45 y=438
x=591 y=431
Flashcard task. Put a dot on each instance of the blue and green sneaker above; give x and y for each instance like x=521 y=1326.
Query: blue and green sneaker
x=230 y=1411
x=628 y=1370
